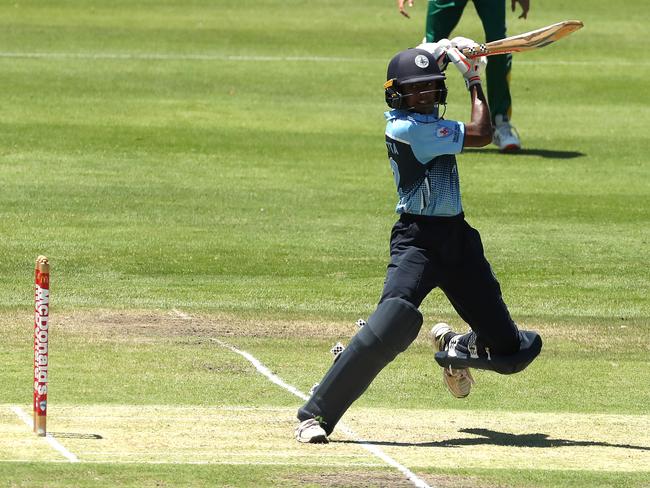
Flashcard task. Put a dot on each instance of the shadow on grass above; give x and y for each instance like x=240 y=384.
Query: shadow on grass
x=544 y=153
x=73 y=435
x=494 y=438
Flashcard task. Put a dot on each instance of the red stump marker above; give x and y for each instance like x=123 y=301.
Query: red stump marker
x=41 y=336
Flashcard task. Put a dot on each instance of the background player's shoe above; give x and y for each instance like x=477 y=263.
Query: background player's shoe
x=310 y=431
x=505 y=135
x=459 y=381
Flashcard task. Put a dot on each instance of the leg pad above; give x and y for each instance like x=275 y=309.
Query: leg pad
x=389 y=331
x=392 y=327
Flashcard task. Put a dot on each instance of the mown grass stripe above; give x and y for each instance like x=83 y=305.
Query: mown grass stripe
x=214 y=463
x=253 y=57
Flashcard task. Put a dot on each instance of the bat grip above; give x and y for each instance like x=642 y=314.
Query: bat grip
x=475 y=51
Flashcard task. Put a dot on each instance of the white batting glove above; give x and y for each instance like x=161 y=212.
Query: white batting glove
x=469 y=68
x=439 y=51
x=461 y=43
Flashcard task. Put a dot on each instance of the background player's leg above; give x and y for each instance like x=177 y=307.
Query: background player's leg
x=442 y=17
x=475 y=293
x=493 y=16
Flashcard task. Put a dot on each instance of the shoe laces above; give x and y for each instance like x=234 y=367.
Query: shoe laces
x=307 y=424
x=459 y=374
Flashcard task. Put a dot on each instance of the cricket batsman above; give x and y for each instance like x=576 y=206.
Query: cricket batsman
x=431 y=245
x=443 y=16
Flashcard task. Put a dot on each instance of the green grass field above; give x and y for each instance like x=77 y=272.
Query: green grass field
x=201 y=173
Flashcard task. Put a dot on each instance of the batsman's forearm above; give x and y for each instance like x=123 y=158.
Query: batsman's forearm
x=479 y=130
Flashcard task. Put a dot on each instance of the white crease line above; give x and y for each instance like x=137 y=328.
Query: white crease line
x=49 y=439
x=412 y=477
x=264 y=370
x=224 y=57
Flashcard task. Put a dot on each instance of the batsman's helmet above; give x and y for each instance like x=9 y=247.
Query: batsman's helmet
x=412 y=66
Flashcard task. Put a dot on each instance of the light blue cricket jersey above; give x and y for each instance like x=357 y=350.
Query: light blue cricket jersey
x=421 y=151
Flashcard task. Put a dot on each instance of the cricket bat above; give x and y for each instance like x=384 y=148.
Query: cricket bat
x=526 y=41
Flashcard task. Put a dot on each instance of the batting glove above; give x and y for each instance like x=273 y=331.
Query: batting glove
x=461 y=43
x=439 y=51
x=469 y=68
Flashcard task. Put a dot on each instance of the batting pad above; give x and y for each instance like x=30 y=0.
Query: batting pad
x=530 y=347
x=390 y=329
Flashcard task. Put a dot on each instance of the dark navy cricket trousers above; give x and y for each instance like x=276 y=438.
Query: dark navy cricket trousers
x=446 y=252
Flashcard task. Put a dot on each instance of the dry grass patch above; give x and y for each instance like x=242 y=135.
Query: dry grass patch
x=154 y=326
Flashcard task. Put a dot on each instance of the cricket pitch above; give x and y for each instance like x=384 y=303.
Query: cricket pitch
x=415 y=438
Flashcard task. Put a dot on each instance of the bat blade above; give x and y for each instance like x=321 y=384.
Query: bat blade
x=526 y=41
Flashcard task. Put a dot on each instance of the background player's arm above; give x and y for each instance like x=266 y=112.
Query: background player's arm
x=402 y=10
x=525 y=6
x=478 y=132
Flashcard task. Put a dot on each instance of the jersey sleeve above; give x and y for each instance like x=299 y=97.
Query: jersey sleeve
x=428 y=140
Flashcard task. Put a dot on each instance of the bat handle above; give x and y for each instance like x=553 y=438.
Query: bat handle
x=475 y=51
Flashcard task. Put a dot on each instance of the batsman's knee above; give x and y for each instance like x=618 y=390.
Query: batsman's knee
x=393 y=326
x=529 y=348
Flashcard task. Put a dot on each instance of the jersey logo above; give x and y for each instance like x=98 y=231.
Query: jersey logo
x=442 y=132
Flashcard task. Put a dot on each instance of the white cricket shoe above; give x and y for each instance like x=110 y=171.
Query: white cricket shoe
x=311 y=432
x=505 y=135
x=459 y=381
